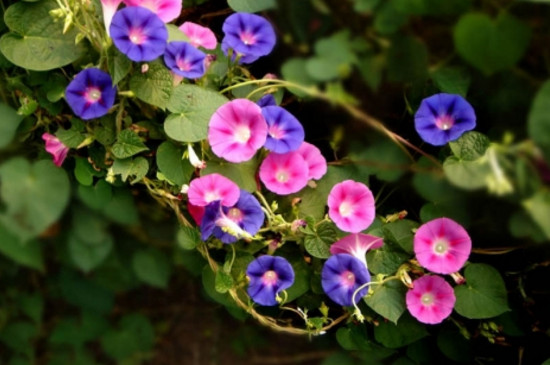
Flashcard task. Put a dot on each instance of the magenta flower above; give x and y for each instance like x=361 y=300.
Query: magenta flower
x=138 y=33
x=91 y=93
x=351 y=206
x=357 y=245
x=442 y=246
x=166 y=10
x=249 y=35
x=109 y=8
x=285 y=133
x=341 y=276
x=268 y=275
x=237 y=130
x=314 y=159
x=284 y=173
x=56 y=148
x=184 y=60
x=198 y=35
x=209 y=188
x=431 y=300
x=442 y=118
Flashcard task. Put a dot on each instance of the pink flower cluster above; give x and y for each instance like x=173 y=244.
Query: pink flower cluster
x=238 y=129
x=441 y=246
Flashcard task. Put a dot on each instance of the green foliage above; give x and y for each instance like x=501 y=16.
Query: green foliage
x=154 y=86
x=406 y=331
x=127 y=167
x=172 y=165
x=133 y=338
x=27 y=253
x=318 y=239
x=36 y=41
x=8 y=125
x=388 y=300
x=538 y=208
x=251 y=6
x=128 y=144
x=243 y=174
x=151 y=267
x=538 y=123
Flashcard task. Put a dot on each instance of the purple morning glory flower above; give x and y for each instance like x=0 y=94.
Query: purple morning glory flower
x=266 y=100
x=91 y=93
x=244 y=219
x=249 y=35
x=185 y=60
x=442 y=118
x=341 y=276
x=268 y=276
x=138 y=33
x=284 y=133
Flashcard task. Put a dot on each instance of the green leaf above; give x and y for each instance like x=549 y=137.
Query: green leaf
x=33 y=306
x=128 y=144
x=136 y=167
x=17 y=336
x=388 y=300
x=364 y=6
x=36 y=41
x=71 y=137
x=35 y=196
x=154 y=86
x=491 y=45
x=151 y=267
x=469 y=175
x=188 y=238
x=538 y=122
x=371 y=68
x=118 y=64
x=388 y=18
x=97 y=196
x=484 y=294
x=242 y=174
x=223 y=282
x=87 y=256
x=193 y=107
x=251 y=6
x=538 y=207
x=415 y=52
x=401 y=232
x=24 y=253
x=9 y=121
x=318 y=243
x=121 y=207
x=294 y=70
x=76 y=332
x=208 y=282
x=383 y=158
x=171 y=164
x=470 y=146
x=84 y=171
x=83 y=293
x=134 y=336
x=406 y=331
x=453 y=345
x=452 y=80
x=386 y=259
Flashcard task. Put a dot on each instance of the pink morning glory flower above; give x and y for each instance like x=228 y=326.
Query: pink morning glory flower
x=166 y=10
x=341 y=276
x=198 y=35
x=56 y=148
x=356 y=244
x=431 y=300
x=109 y=8
x=442 y=246
x=314 y=159
x=284 y=173
x=268 y=275
x=351 y=206
x=237 y=130
x=209 y=188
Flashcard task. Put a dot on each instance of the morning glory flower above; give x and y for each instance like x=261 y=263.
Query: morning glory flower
x=357 y=245
x=351 y=206
x=184 y=60
x=166 y=10
x=56 y=148
x=91 y=93
x=341 y=276
x=442 y=118
x=198 y=35
x=266 y=100
x=109 y=8
x=268 y=276
x=209 y=188
x=442 y=246
x=431 y=299
x=285 y=133
x=237 y=130
x=249 y=35
x=138 y=33
x=284 y=173
x=316 y=163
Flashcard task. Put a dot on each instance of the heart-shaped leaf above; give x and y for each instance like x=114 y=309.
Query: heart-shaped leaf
x=489 y=45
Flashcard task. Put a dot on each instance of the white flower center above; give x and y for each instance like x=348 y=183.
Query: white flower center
x=345 y=209
x=441 y=247
x=282 y=176
x=427 y=299
x=242 y=134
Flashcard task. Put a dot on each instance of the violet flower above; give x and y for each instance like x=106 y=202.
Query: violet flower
x=56 y=148
x=91 y=93
x=284 y=132
x=138 y=33
x=268 y=275
x=184 y=60
x=442 y=118
x=249 y=35
x=341 y=276
x=266 y=100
